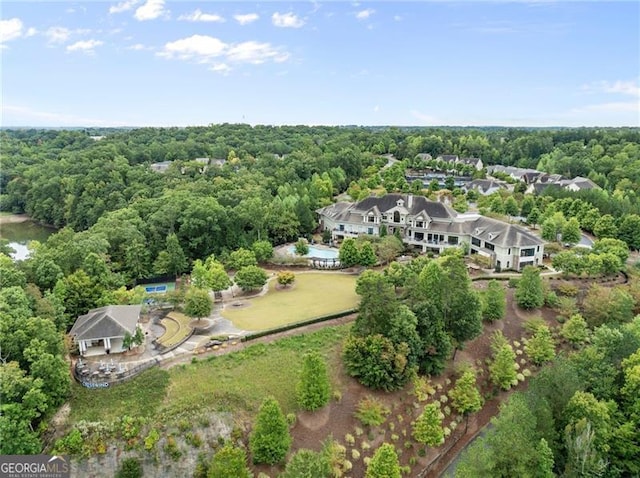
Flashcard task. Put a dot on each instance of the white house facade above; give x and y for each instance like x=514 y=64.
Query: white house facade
x=102 y=331
x=432 y=227
x=454 y=159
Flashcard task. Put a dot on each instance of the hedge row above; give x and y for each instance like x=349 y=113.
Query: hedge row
x=295 y=325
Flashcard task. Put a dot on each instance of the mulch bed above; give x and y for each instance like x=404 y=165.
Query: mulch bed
x=337 y=418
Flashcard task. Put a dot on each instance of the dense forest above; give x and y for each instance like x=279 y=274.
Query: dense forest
x=119 y=221
x=66 y=178
x=579 y=416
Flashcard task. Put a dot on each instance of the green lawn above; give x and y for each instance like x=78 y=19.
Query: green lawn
x=138 y=397
x=311 y=295
x=236 y=382
x=241 y=380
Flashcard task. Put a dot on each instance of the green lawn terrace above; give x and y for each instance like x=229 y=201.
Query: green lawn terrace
x=313 y=294
x=177 y=329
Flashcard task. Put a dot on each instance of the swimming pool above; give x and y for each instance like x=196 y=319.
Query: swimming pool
x=315 y=252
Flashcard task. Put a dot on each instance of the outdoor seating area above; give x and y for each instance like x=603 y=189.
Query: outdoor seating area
x=100 y=370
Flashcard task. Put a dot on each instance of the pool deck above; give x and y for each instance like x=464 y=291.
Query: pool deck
x=284 y=251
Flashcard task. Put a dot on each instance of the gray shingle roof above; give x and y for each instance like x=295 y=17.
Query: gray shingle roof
x=352 y=212
x=584 y=183
x=109 y=321
x=418 y=204
x=539 y=187
x=488 y=229
x=501 y=234
x=485 y=184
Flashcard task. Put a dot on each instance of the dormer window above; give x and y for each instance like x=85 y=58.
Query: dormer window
x=400 y=202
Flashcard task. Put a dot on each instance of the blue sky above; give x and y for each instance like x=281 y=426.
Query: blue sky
x=163 y=63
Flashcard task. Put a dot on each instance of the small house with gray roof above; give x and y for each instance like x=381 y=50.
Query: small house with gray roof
x=453 y=159
x=486 y=187
x=102 y=330
x=431 y=226
x=579 y=184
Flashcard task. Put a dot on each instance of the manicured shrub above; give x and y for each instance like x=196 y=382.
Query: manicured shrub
x=229 y=462
x=371 y=411
x=270 y=439
x=313 y=389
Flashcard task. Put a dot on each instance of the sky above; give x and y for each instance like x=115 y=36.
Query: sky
x=422 y=63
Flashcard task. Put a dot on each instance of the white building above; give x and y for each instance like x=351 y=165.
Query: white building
x=432 y=227
x=102 y=330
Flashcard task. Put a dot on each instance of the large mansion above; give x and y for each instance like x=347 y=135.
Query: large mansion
x=432 y=227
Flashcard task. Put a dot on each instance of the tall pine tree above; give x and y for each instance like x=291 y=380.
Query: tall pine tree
x=314 y=389
x=270 y=439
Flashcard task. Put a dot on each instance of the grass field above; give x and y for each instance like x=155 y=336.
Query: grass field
x=139 y=397
x=311 y=295
x=239 y=381
x=236 y=382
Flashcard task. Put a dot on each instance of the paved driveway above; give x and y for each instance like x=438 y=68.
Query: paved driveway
x=585 y=241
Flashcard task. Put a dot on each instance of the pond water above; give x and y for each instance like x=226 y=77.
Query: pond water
x=20 y=233
x=320 y=253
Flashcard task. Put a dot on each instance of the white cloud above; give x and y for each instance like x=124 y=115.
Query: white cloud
x=613 y=107
x=85 y=46
x=376 y=108
x=255 y=53
x=151 y=10
x=246 y=18
x=397 y=18
x=199 y=16
x=123 y=6
x=221 y=68
x=623 y=88
x=364 y=14
x=31 y=32
x=10 y=29
x=57 y=34
x=139 y=47
x=619 y=87
x=425 y=118
x=201 y=47
x=25 y=116
x=76 y=9
x=213 y=51
x=286 y=20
